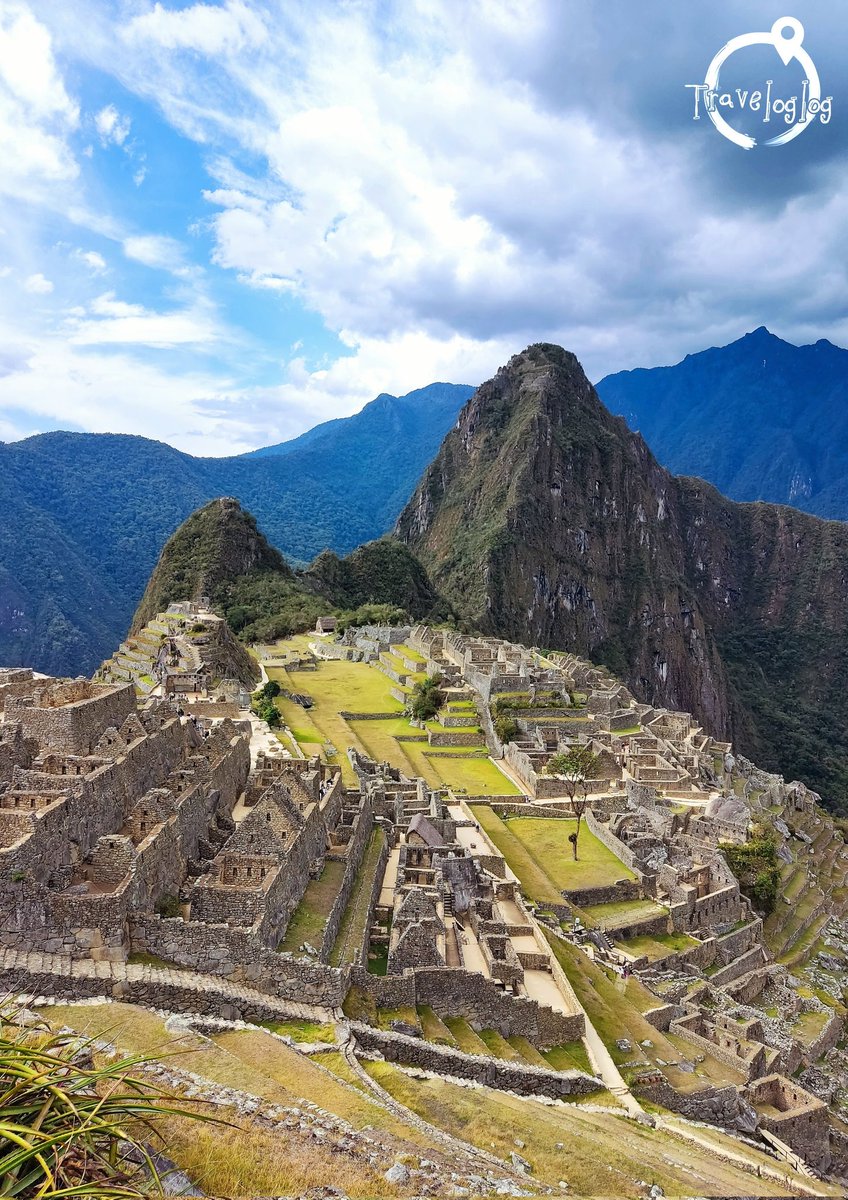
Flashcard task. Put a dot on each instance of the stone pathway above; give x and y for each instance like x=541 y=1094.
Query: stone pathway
x=603 y=1064
x=60 y=976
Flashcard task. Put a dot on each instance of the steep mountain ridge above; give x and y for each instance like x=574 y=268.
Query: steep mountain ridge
x=86 y=515
x=544 y=519
x=762 y=419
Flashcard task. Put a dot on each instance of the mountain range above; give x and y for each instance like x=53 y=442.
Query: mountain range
x=761 y=419
x=86 y=515
x=545 y=520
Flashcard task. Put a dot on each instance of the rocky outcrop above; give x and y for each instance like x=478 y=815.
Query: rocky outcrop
x=545 y=520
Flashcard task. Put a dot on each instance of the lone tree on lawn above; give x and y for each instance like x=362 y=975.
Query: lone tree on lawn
x=575 y=767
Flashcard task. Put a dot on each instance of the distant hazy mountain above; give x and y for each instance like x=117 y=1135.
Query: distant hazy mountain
x=761 y=419
x=85 y=516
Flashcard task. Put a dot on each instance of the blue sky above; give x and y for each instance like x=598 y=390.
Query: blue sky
x=223 y=222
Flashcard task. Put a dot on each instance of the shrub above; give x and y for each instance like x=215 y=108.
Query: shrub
x=168 y=905
x=755 y=864
x=506 y=728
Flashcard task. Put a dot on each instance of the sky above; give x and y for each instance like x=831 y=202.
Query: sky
x=221 y=223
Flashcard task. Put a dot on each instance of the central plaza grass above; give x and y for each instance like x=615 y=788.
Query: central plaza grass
x=338 y=686
x=546 y=840
x=539 y=853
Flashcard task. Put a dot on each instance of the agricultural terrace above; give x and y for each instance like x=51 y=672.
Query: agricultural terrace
x=355 y=687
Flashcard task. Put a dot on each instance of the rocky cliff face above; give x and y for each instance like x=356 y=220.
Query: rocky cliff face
x=544 y=519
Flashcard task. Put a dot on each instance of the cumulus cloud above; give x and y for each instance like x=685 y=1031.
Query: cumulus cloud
x=497 y=172
x=36 y=113
x=38 y=285
x=441 y=184
x=95 y=262
x=109 y=320
x=111 y=126
x=154 y=250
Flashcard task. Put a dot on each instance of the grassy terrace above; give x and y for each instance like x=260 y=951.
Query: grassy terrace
x=310 y=916
x=616 y=1008
x=241 y=1159
x=659 y=945
x=605 y=1156
x=538 y=852
x=352 y=928
x=619 y=913
x=362 y=688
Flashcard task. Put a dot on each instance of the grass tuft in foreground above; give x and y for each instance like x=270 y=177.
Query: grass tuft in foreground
x=69 y=1125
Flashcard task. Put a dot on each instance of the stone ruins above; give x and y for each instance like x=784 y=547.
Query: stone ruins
x=157 y=844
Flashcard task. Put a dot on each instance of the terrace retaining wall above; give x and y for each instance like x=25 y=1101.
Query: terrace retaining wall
x=525 y=1080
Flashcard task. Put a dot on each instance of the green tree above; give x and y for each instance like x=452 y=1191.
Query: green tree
x=757 y=867
x=576 y=767
x=427 y=698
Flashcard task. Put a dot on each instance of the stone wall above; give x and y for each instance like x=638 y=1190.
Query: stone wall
x=492 y=1072
x=72 y=715
x=716 y=1106
x=723 y=1052
x=238 y=956
x=604 y=834
x=795 y=1116
x=455 y=993
x=740 y=966
x=624 y=889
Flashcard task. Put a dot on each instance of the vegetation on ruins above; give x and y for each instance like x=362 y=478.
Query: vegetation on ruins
x=71 y=1124
x=372 y=614
x=262 y=703
x=575 y=767
x=756 y=865
x=506 y=727
x=427 y=698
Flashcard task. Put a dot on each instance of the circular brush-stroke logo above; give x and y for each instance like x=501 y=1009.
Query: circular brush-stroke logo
x=786 y=36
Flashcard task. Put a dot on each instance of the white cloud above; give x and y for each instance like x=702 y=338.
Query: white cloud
x=36 y=112
x=111 y=126
x=430 y=180
x=38 y=285
x=206 y=28
x=122 y=392
x=95 y=262
x=163 y=253
x=110 y=321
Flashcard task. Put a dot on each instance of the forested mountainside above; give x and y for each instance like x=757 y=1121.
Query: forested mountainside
x=761 y=419
x=86 y=515
x=220 y=554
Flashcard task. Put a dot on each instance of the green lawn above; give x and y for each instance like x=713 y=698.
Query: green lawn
x=352 y=928
x=310 y=916
x=535 y=882
x=659 y=945
x=546 y=840
x=361 y=688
